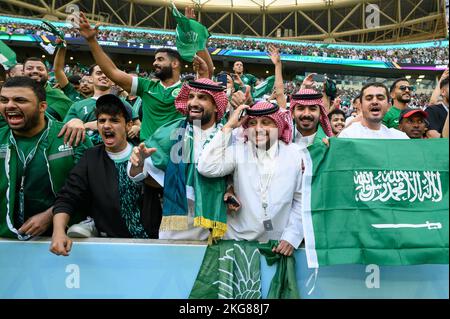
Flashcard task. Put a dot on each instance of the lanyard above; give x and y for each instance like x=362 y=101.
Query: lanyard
x=264 y=187
x=25 y=161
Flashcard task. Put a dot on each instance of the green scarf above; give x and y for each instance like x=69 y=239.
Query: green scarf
x=182 y=181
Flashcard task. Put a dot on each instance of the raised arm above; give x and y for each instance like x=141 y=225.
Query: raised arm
x=435 y=97
x=218 y=159
x=279 y=85
x=60 y=57
x=105 y=63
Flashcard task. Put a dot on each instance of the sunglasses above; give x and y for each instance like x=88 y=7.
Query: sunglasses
x=406 y=87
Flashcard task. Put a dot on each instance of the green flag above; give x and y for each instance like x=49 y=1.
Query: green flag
x=230 y=270
x=191 y=36
x=265 y=87
x=7 y=56
x=137 y=68
x=381 y=202
x=284 y=282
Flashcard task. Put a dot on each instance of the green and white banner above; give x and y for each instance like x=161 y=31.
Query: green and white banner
x=381 y=202
x=7 y=56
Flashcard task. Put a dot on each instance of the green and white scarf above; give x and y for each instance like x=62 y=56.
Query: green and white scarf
x=175 y=145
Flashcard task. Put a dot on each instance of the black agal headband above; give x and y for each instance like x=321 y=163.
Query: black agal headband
x=207 y=87
x=306 y=97
x=265 y=112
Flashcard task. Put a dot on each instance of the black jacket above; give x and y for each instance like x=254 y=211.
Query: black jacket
x=92 y=187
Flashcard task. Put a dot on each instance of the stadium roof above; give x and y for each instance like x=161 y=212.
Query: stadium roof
x=314 y=20
x=254 y=5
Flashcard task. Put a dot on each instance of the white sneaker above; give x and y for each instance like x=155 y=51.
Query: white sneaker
x=85 y=229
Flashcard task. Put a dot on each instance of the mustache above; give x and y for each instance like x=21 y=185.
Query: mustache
x=310 y=118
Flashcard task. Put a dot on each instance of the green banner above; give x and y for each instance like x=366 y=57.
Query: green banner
x=381 y=202
x=7 y=56
x=264 y=88
x=191 y=36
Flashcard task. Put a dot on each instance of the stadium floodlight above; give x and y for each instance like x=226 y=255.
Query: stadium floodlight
x=408 y=77
x=419 y=80
x=422 y=77
x=129 y=62
x=43 y=56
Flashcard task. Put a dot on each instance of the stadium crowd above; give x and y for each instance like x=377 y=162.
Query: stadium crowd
x=114 y=189
x=435 y=55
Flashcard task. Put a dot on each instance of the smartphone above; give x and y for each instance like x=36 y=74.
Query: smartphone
x=242 y=114
x=232 y=201
x=222 y=78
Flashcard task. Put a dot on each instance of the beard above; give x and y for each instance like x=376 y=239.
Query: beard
x=205 y=119
x=403 y=100
x=30 y=123
x=165 y=73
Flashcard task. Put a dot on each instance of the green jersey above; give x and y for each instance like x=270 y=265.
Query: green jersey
x=58 y=102
x=37 y=186
x=71 y=93
x=83 y=110
x=158 y=104
x=391 y=119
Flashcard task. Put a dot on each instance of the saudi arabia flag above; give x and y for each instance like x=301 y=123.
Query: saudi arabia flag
x=381 y=202
x=265 y=87
x=191 y=36
x=7 y=56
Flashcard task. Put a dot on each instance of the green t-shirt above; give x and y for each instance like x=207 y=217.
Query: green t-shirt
x=391 y=119
x=58 y=103
x=83 y=110
x=37 y=186
x=136 y=104
x=158 y=104
x=71 y=93
x=2 y=121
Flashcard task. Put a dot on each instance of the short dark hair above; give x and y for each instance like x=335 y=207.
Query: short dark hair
x=173 y=54
x=374 y=84
x=337 y=112
x=33 y=58
x=356 y=98
x=74 y=79
x=111 y=109
x=91 y=69
x=395 y=83
x=26 y=82
x=444 y=82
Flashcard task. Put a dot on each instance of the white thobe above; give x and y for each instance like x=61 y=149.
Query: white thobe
x=219 y=158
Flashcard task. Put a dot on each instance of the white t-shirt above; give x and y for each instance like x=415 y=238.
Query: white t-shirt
x=357 y=130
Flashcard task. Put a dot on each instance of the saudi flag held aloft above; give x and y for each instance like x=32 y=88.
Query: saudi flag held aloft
x=191 y=36
x=265 y=87
x=7 y=56
x=381 y=202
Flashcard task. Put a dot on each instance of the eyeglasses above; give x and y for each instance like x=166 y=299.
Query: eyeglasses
x=406 y=87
